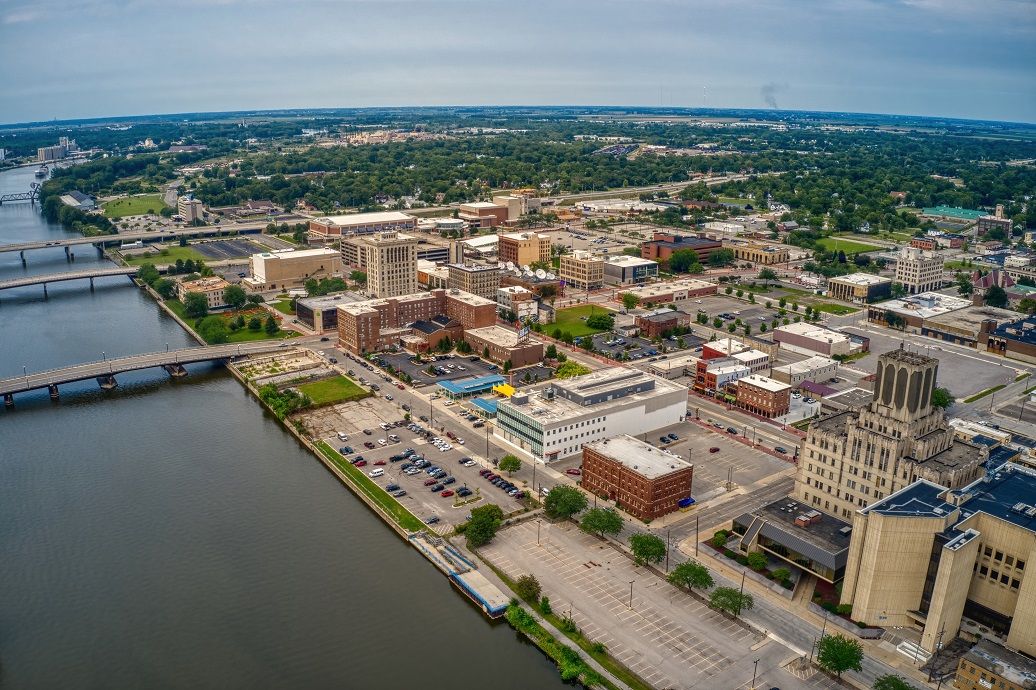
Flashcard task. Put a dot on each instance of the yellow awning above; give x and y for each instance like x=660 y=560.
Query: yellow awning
x=504 y=389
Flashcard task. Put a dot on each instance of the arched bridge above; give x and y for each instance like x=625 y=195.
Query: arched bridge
x=105 y=370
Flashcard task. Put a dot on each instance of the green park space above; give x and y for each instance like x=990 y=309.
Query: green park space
x=403 y=517
x=133 y=206
x=844 y=245
x=338 y=389
x=570 y=320
x=166 y=255
x=283 y=306
x=238 y=335
x=836 y=309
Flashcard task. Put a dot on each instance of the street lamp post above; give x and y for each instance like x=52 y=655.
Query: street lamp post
x=104 y=357
x=755 y=667
x=631 y=594
x=538 y=521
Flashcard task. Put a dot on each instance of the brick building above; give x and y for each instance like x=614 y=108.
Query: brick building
x=926 y=243
x=654 y=324
x=483 y=214
x=663 y=244
x=478 y=279
x=763 y=396
x=641 y=479
x=523 y=248
x=504 y=345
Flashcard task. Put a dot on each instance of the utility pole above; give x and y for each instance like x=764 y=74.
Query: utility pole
x=631 y=594
x=938 y=646
x=667 y=550
x=696 y=538
x=740 y=597
x=755 y=668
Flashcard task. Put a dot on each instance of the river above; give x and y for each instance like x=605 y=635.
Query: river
x=170 y=534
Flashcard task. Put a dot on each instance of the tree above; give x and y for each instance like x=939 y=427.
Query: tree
x=730 y=600
x=570 y=369
x=766 y=275
x=756 y=561
x=629 y=300
x=528 y=587
x=839 y=653
x=898 y=290
x=271 y=326
x=255 y=324
x=164 y=287
x=601 y=521
x=720 y=257
x=604 y=322
x=563 y=502
x=551 y=352
x=996 y=297
x=510 y=463
x=507 y=366
x=894 y=320
x=358 y=277
x=485 y=352
x=148 y=274
x=647 y=548
x=941 y=397
x=717 y=322
x=485 y=521
x=782 y=302
x=964 y=285
x=891 y=682
x=195 y=305
x=682 y=259
x=235 y=296
x=691 y=575
x=213 y=329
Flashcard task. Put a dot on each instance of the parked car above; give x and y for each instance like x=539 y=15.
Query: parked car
x=358 y=458
x=342 y=436
x=731 y=430
x=399 y=494
x=382 y=442
x=714 y=449
x=449 y=480
x=368 y=445
x=463 y=491
x=663 y=439
x=431 y=521
x=379 y=462
x=346 y=450
x=717 y=425
x=401 y=387
x=367 y=432
x=781 y=449
x=360 y=463
x=437 y=487
x=431 y=482
x=446 y=494
x=673 y=437
x=574 y=471
x=392 y=487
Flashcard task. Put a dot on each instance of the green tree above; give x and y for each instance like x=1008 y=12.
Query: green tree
x=898 y=290
x=485 y=521
x=781 y=574
x=214 y=330
x=782 y=302
x=510 y=463
x=728 y=289
x=601 y=521
x=528 y=588
x=837 y=653
x=485 y=352
x=720 y=257
x=894 y=320
x=358 y=277
x=891 y=682
x=964 y=285
x=562 y=502
x=570 y=369
x=195 y=305
x=551 y=352
x=748 y=329
x=682 y=259
x=996 y=297
x=604 y=322
x=766 y=275
x=691 y=575
x=148 y=274
x=717 y=322
x=164 y=287
x=730 y=600
x=271 y=326
x=647 y=548
x=629 y=300
x=756 y=561
x=235 y=296
x=941 y=397
x=255 y=324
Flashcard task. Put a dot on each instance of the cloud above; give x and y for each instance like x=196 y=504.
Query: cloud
x=769 y=93
x=21 y=16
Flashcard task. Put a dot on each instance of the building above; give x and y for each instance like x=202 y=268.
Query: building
x=966 y=326
x=483 y=214
x=504 y=345
x=331 y=228
x=377 y=324
x=947 y=240
x=852 y=458
x=759 y=253
x=815 y=369
x=1016 y=340
x=544 y=288
x=462 y=389
x=919 y=271
x=78 y=200
x=189 y=209
x=712 y=376
x=929 y=557
x=859 y=287
x=655 y=324
x=812 y=339
x=953 y=213
x=212 y=288
x=646 y=482
x=756 y=360
x=671 y=291
x=477 y=279
x=50 y=153
x=675 y=366
x=518 y=205
x=291 y=268
x=582 y=270
x=557 y=421
x=483 y=246
x=726 y=347
x=629 y=270
x=432 y=276
x=523 y=248
x=518 y=300
x=389 y=259
x=662 y=246
x=915 y=310
x=321 y=313
x=989 y=665
x=997 y=221
x=928 y=244
x=763 y=396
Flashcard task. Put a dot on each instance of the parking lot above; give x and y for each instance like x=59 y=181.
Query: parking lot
x=462 y=365
x=749 y=313
x=642 y=346
x=585 y=240
x=221 y=250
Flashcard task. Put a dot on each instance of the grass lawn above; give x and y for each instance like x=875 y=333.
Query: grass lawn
x=837 y=309
x=403 y=517
x=167 y=255
x=133 y=206
x=570 y=320
x=979 y=396
x=795 y=291
x=338 y=389
x=847 y=246
x=955 y=265
x=283 y=306
x=242 y=335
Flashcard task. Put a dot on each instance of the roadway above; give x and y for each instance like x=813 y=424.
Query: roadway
x=134 y=236
x=109 y=367
x=69 y=275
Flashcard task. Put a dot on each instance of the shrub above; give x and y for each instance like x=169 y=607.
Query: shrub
x=756 y=561
x=568 y=625
x=861 y=624
x=828 y=606
x=781 y=574
x=742 y=559
x=787 y=584
x=730 y=554
x=545 y=608
x=719 y=540
x=844 y=609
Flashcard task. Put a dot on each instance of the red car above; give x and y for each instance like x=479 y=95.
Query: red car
x=380 y=462
x=714 y=449
x=368 y=445
x=430 y=482
x=447 y=493
x=361 y=463
x=400 y=386
x=573 y=471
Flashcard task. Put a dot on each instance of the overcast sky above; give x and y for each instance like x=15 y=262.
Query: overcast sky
x=96 y=58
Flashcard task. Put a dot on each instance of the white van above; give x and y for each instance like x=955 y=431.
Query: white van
x=544 y=491
x=376 y=473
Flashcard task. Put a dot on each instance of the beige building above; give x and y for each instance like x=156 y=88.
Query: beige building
x=189 y=209
x=523 y=248
x=390 y=260
x=212 y=288
x=855 y=457
x=759 y=253
x=331 y=228
x=859 y=287
x=292 y=268
x=918 y=270
x=582 y=270
x=988 y=665
x=816 y=369
x=477 y=279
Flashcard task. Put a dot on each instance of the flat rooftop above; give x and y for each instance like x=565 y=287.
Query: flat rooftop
x=330 y=301
x=663 y=315
x=860 y=279
x=920 y=499
x=1011 y=666
x=853 y=398
x=764 y=382
x=468 y=386
x=825 y=541
x=806 y=365
x=926 y=305
x=297 y=253
x=727 y=346
x=624 y=261
x=1010 y=494
x=482 y=241
x=646 y=292
x=970 y=318
x=367 y=218
x=468 y=298
x=642 y=458
x=813 y=332
x=504 y=337
x=1023 y=331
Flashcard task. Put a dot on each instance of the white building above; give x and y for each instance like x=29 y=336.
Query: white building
x=629 y=270
x=754 y=359
x=557 y=421
x=812 y=339
x=815 y=369
x=190 y=209
x=919 y=271
x=519 y=300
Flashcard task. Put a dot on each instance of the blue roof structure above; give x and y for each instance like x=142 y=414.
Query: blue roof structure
x=489 y=406
x=471 y=386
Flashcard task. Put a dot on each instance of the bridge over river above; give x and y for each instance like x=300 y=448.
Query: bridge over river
x=105 y=370
x=68 y=275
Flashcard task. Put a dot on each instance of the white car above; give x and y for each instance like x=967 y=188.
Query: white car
x=448 y=403
x=460 y=441
x=382 y=442
x=342 y=436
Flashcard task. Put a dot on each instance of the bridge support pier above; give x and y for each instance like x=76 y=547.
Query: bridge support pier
x=107 y=382
x=54 y=394
x=68 y=254
x=8 y=400
x=22 y=255
x=91 y=285
x=44 y=290
x=176 y=370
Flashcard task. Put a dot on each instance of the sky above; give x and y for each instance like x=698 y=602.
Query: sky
x=69 y=59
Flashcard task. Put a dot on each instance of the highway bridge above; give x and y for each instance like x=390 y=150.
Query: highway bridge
x=105 y=370
x=69 y=275
x=132 y=237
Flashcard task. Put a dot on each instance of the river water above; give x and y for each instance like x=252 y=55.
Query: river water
x=170 y=534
